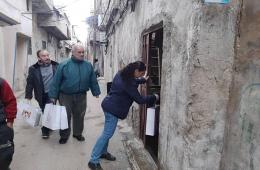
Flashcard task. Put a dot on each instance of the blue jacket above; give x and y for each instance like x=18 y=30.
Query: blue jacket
x=122 y=96
x=74 y=77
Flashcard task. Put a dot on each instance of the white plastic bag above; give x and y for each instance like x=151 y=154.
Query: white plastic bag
x=55 y=117
x=150 y=122
x=29 y=113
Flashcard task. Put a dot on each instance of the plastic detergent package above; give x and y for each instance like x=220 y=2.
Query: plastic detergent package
x=217 y=1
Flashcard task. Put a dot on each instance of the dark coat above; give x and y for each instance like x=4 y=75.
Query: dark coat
x=122 y=95
x=35 y=82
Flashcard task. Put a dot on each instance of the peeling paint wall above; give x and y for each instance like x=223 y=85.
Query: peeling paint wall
x=242 y=150
x=197 y=68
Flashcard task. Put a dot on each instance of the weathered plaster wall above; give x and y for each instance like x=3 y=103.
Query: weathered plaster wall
x=197 y=63
x=242 y=149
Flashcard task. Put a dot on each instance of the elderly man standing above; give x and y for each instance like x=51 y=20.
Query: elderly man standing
x=72 y=80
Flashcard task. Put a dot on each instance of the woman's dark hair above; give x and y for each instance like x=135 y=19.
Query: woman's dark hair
x=127 y=73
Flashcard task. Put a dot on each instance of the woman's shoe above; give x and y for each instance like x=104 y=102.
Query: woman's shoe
x=94 y=166
x=108 y=156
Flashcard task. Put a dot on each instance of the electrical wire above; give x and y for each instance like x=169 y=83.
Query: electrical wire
x=105 y=12
x=45 y=22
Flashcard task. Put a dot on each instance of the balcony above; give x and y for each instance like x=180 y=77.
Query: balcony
x=9 y=14
x=55 y=24
x=42 y=6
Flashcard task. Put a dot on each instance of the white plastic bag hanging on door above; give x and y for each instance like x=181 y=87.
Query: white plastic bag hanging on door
x=55 y=117
x=150 y=122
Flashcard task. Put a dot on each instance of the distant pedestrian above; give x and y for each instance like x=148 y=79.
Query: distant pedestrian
x=116 y=104
x=72 y=80
x=8 y=110
x=39 y=79
x=96 y=68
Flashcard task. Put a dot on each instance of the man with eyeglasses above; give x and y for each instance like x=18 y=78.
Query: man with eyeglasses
x=72 y=80
x=39 y=79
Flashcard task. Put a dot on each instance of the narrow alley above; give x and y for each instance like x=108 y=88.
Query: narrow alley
x=184 y=77
x=34 y=153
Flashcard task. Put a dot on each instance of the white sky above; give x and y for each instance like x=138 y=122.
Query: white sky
x=77 y=12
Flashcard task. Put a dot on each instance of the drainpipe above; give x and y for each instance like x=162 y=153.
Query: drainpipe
x=15 y=49
x=27 y=56
x=94 y=33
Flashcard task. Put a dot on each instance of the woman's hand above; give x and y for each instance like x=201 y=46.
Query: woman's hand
x=157 y=96
x=146 y=77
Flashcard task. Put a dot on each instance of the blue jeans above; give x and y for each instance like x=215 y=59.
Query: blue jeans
x=102 y=142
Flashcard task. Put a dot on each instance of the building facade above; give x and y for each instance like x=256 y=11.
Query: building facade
x=51 y=31
x=16 y=32
x=25 y=27
x=96 y=42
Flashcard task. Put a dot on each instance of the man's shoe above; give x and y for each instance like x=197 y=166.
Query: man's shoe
x=79 y=138
x=63 y=140
x=45 y=136
x=94 y=166
x=108 y=156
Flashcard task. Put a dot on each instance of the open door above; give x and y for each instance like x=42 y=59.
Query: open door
x=152 y=56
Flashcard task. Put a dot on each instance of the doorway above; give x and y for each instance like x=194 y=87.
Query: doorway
x=152 y=57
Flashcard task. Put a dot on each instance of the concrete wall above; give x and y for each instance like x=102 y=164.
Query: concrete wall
x=10 y=12
x=42 y=5
x=10 y=41
x=2 y=58
x=197 y=68
x=39 y=35
x=242 y=150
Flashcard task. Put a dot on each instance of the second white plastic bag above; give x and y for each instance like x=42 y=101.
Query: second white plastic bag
x=55 y=117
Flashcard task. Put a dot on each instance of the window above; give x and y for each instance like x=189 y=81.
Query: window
x=29 y=48
x=44 y=45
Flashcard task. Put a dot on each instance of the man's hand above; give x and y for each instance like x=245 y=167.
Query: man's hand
x=28 y=101
x=53 y=100
x=10 y=124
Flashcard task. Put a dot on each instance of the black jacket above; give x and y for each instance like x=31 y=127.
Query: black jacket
x=35 y=82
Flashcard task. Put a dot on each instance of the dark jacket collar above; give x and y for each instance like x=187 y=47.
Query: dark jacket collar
x=37 y=65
